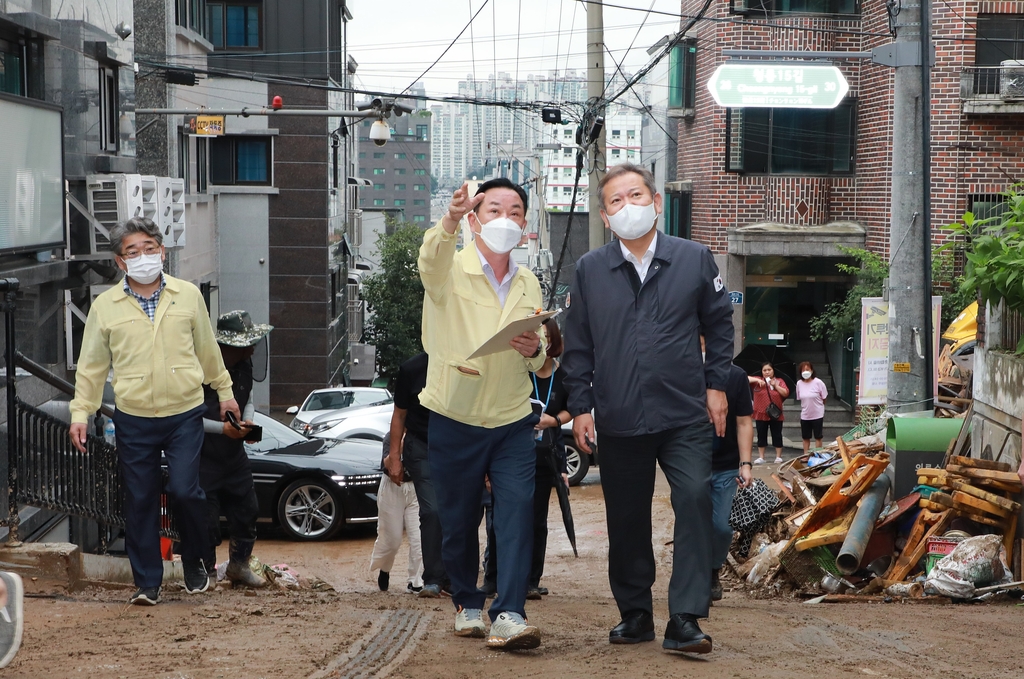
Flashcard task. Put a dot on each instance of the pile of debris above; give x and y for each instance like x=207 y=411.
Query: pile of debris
x=835 y=534
x=955 y=383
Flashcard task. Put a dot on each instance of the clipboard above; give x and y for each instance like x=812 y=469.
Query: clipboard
x=499 y=341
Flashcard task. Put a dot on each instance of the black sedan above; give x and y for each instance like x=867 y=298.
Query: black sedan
x=313 y=487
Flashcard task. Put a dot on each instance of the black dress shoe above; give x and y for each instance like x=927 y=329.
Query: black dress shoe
x=636 y=626
x=684 y=635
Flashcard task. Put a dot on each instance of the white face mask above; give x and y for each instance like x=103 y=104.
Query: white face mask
x=145 y=269
x=806 y=374
x=633 y=221
x=501 y=235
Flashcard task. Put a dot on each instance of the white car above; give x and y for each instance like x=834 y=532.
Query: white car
x=334 y=400
x=356 y=423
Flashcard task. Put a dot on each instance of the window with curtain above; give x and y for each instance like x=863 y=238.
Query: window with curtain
x=240 y=160
x=234 y=25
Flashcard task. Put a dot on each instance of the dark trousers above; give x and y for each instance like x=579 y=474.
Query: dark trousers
x=627 y=477
x=140 y=441
x=414 y=458
x=460 y=456
x=543 y=484
x=234 y=498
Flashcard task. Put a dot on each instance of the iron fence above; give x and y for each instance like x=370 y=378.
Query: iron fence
x=994 y=83
x=1012 y=329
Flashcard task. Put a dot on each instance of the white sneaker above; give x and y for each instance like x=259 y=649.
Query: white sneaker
x=778 y=460
x=759 y=460
x=469 y=622
x=511 y=632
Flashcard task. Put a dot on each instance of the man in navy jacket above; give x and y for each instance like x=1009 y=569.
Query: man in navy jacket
x=637 y=309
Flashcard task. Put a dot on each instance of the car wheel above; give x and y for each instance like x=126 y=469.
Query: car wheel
x=577 y=464
x=309 y=509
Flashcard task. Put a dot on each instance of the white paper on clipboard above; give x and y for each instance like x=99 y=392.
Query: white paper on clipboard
x=499 y=341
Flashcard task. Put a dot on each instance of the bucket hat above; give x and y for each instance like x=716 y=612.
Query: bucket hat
x=236 y=329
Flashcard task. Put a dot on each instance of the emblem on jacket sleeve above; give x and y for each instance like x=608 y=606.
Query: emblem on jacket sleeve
x=718 y=283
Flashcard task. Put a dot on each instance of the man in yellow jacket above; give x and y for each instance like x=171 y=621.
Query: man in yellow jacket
x=155 y=331
x=481 y=422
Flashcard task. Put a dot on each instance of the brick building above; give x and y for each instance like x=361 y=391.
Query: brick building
x=774 y=191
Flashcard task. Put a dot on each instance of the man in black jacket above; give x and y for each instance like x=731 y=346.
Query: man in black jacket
x=636 y=312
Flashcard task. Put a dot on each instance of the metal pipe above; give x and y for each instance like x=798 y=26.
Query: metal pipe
x=9 y=286
x=848 y=561
x=55 y=381
x=793 y=54
x=258 y=111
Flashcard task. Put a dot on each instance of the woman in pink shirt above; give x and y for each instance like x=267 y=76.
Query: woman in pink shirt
x=811 y=392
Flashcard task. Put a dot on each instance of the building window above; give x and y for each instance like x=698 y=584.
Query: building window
x=769 y=8
x=791 y=140
x=420 y=156
x=566 y=189
x=11 y=68
x=399 y=156
x=234 y=25
x=399 y=202
x=677 y=214
x=362 y=154
x=378 y=155
x=418 y=187
x=367 y=123
x=108 y=109
x=985 y=206
x=682 y=75
x=378 y=202
x=399 y=187
x=419 y=218
x=419 y=172
x=419 y=202
x=362 y=172
x=240 y=160
x=421 y=132
x=191 y=14
x=399 y=170
x=379 y=170
x=615 y=153
x=378 y=187
x=1000 y=38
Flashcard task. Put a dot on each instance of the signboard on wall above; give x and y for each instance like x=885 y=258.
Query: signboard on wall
x=874 y=350
x=205 y=125
x=788 y=85
x=31 y=175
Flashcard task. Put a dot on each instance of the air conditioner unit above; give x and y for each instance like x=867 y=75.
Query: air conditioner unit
x=355 y=228
x=1011 y=80
x=149 y=191
x=112 y=198
x=171 y=210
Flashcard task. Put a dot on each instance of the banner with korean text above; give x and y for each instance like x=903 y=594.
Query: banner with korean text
x=874 y=350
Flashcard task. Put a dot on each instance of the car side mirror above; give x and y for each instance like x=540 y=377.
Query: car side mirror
x=293 y=410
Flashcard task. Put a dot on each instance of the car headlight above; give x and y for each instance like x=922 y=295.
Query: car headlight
x=355 y=480
x=314 y=429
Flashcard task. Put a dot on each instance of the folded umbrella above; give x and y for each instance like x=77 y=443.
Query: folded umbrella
x=563 y=497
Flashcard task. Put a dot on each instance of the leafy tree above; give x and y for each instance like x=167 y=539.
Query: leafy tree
x=995 y=255
x=842 y=319
x=394 y=297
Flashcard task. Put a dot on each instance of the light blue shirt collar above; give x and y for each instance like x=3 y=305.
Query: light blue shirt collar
x=501 y=288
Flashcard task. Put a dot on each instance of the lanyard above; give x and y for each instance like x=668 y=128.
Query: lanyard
x=536 y=389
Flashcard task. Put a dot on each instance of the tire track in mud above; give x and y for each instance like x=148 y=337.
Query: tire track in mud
x=393 y=636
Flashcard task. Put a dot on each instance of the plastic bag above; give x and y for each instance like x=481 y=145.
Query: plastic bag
x=976 y=561
x=765 y=561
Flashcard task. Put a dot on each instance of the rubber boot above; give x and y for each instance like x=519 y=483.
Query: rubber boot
x=238 y=571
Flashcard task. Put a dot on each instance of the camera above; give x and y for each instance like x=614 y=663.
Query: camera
x=380 y=133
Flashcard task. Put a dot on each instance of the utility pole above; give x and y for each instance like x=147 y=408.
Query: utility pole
x=910 y=318
x=595 y=93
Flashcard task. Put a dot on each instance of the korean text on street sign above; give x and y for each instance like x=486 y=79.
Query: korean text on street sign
x=874 y=350
x=205 y=125
x=736 y=297
x=789 y=85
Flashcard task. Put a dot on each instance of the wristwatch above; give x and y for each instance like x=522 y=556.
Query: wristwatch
x=537 y=353
x=746 y=463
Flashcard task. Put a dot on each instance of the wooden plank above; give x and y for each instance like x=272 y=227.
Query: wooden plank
x=979 y=464
x=935 y=477
x=980 y=517
x=1010 y=536
x=931 y=506
x=835 y=531
x=803 y=494
x=913 y=552
x=1002 y=486
x=844 y=451
x=960 y=497
x=1008 y=505
x=963 y=437
x=943 y=499
x=838 y=500
x=785 y=490
x=970 y=472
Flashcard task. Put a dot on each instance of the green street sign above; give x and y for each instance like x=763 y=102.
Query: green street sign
x=787 y=85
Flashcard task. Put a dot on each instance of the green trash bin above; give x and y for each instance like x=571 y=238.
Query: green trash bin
x=916 y=442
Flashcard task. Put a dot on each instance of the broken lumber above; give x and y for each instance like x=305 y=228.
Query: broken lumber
x=915 y=549
x=974 y=473
x=1008 y=505
x=962 y=498
x=979 y=464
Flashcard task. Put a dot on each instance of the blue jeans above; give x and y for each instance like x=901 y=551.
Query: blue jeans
x=140 y=441
x=460 y=456
x=723 y=488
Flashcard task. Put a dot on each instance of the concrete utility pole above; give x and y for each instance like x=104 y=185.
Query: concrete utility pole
x=910 y=334
x=595 y=92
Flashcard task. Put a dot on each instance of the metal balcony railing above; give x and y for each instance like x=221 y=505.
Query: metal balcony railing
x=992 y=83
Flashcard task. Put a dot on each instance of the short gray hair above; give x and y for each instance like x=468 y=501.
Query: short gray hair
x=615 y=171
x=134 y=225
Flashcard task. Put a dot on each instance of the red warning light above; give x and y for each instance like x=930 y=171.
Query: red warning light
x=277 y=103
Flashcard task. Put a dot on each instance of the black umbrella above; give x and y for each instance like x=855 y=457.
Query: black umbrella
x=562 y=491
x=754 y=356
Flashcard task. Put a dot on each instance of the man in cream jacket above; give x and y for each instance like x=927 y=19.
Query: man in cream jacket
x=481 y=423
x=155 y=331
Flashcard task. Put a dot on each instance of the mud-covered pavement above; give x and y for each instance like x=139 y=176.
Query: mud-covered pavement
x=357 y=631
